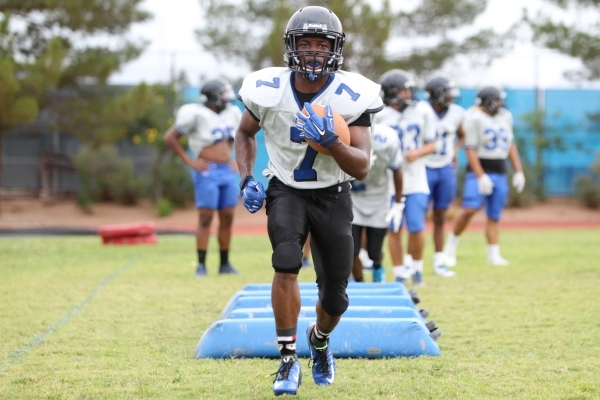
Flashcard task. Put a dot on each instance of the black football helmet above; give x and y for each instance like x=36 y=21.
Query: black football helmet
x=314 y=21
x=217 y=93
x=394 y=80
x=441 y=90
x=486 y=97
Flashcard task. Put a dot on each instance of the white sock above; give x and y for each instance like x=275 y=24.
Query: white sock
x=363 y=256
x=408 y=260
x=452 y=242
x=417 y=265
x=438 y=259
x=398 y=270
x=493 y=251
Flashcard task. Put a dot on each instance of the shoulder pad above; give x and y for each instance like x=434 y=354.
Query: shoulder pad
x=388 y=137
x=264 y=88
x=357 y=95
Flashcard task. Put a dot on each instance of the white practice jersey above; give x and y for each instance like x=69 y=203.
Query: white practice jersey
x=491 y=136
x=204 y=127
x=415 y=126
x=269 y=95
x=447 y=126
x=371 y=196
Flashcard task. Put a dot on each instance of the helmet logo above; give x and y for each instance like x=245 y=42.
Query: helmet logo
x=315 y=26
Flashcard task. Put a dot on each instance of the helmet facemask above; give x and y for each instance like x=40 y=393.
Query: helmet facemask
x=217 y=94
x=490 y=99
x=313 y=64
x=392 y=82
x=442 y=92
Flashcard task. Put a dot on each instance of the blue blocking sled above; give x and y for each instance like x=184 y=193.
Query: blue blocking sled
x=381 y=321
x=353 y=338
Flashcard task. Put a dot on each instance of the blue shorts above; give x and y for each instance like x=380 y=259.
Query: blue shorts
x=442 y=185
x=415 y=208
x=216 y=188
x=494 y=203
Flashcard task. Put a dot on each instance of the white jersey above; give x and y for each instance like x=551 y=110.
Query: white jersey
x=415 y=126
x=491 y=136
x=447 y=126
x=269 y=95
x=371 y=196
x=204 y=127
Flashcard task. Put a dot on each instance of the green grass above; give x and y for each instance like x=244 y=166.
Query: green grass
x=79 y=320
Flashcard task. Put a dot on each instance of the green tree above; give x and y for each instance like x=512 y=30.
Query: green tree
x=60 y=45
x=251 y=32
x=51 y=49
x=579 y=39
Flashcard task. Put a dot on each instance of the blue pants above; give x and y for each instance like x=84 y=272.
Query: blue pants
x=494 y=203
x=216 y=188
x=442 y=185
x=415 y=208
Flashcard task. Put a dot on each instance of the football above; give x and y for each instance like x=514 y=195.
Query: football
x=339 y=126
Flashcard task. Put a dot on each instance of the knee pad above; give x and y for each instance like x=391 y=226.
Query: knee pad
x=287 y=257
x=335 y=307
x=334 y=299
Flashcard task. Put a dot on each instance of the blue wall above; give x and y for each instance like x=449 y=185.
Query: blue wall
x=566 y=118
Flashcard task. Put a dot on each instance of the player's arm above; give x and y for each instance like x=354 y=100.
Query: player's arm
x=245 y=143
x=515 y=160
x=353 y=159
x=397 y=176
x=172 y=139
x=474 y=162
x=460 y=140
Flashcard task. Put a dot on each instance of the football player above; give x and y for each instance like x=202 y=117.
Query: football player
x=209 y=129
x=488 y=128
x=372 y=213
x=441 y=166
x=308 y=192
x=414 y=122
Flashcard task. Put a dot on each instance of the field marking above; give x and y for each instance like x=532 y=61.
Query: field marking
x=18 y=355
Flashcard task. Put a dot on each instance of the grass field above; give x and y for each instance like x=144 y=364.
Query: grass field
x=83 y=321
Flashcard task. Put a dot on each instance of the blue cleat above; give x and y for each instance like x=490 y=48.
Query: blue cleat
x=227 y=269
x=378 y=274
x=323 y=364
x=200 y=271
x=405 y=274
x=417 y=279
x=289 y=377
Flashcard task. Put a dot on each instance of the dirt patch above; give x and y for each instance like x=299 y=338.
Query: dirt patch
x=34 y=213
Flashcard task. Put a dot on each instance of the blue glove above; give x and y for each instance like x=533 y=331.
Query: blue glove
x=253 y=194
x=316 y=128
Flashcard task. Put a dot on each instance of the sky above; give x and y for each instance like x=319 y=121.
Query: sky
x=174 y=47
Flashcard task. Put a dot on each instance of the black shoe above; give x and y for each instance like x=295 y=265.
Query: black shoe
x=200 y=271
x=227 y=269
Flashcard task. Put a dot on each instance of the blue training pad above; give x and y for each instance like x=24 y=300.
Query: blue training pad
x=352 y=338
x=351 y=285
x=265 y=301
x=351 y=312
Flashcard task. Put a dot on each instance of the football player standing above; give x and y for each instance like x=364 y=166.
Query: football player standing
x=488 y=128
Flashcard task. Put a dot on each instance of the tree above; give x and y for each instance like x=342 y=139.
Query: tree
x=56 y=44
x=251 y=32
x=577 y=39
x=52 y=47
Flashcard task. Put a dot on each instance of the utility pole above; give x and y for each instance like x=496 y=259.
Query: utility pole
x=539 y=128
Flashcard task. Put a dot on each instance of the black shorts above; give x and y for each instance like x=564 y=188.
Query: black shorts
x=325 y=213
